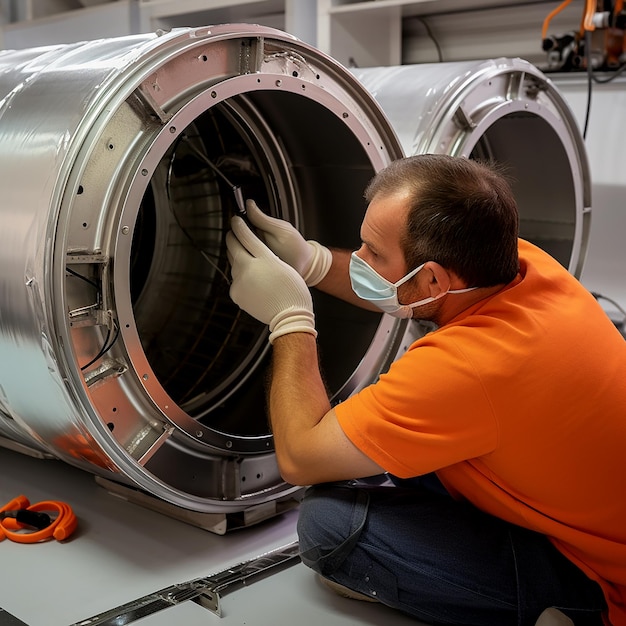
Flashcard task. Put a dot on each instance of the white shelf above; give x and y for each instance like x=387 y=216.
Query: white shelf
x=417 y=7
x=381 y=33
x=369 y=32
x=168 y=8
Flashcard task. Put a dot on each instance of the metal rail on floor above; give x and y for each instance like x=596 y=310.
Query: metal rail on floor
x=206 y=591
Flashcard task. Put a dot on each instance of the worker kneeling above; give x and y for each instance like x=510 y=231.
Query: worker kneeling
x=502 y=433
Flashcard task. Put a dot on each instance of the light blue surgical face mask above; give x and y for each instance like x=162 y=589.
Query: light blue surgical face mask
x=369 y=285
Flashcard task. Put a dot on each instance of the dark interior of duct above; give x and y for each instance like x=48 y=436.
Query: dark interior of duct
x=209 y=356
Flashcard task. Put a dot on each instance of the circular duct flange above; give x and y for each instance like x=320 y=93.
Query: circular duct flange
x=122 y=163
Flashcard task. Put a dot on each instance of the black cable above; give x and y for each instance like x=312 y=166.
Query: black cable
x=589 y=81
x=599 y=296
x=621 y=326
x=106 y=346
x=429 y=31
x=618 y=72
x=87 y=280
x=170 y=169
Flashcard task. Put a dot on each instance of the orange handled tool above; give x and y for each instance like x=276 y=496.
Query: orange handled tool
x=18 y=517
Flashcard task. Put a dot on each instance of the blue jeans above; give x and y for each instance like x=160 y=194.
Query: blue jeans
x=442 y=561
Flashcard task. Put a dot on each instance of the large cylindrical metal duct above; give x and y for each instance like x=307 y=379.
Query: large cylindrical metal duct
x=504 y=110
x=121 y=352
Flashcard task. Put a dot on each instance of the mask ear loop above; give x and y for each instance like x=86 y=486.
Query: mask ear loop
x=408 y=308
x=428 y=300
x=406 y=278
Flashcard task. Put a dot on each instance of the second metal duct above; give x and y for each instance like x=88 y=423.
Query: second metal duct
x=508 y=111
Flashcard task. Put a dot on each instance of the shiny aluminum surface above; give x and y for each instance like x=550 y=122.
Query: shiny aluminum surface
x=504 y=110
x=121 y=351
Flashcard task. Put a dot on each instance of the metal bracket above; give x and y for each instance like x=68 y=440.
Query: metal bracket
x=207 y=592
x=99 y=312
x=109 y=368
x=251 y=55
x=143 y=102
x=217 y=523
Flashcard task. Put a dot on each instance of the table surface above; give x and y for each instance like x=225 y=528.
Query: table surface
x=122 y=551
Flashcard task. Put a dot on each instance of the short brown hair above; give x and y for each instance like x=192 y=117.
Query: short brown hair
x=462 y=214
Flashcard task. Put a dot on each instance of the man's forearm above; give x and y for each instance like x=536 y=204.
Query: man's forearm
x=311 y=446
x=298 y=399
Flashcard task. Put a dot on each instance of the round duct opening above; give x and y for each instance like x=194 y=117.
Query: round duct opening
x=543 y=181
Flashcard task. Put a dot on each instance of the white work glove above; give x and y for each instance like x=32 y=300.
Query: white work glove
x=266 y=287
x=310 y=259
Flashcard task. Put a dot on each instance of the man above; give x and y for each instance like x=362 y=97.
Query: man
x=510 y=417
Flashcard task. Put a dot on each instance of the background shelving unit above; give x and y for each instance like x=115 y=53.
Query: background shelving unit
x=367 y=33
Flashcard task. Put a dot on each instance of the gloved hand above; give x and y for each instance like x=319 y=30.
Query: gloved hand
x=310 y=259
x=266 y=287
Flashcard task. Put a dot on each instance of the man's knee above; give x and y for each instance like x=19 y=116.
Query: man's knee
x=329 y=525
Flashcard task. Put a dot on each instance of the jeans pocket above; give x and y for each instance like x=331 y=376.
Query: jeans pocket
x=329 y=526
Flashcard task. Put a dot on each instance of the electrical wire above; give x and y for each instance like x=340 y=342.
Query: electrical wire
x=589 y=82
x=87 y=280
x=429 y=31
x=616 y=73
x=621 y=326
x=106 y=346
x=591 y=76
x=205 y=159
x=546 y=22
x=216 y=170
x=599 y=296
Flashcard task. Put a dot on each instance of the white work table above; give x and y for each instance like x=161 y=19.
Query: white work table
x=122 y=551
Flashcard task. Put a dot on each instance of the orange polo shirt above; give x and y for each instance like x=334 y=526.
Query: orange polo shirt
x=519 y=405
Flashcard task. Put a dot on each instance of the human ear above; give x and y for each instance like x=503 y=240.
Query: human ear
x=439 y=278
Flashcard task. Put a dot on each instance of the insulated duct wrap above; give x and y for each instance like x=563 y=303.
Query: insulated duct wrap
x=122 y=353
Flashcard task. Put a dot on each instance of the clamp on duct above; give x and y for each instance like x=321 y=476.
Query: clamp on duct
x=23 y=522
